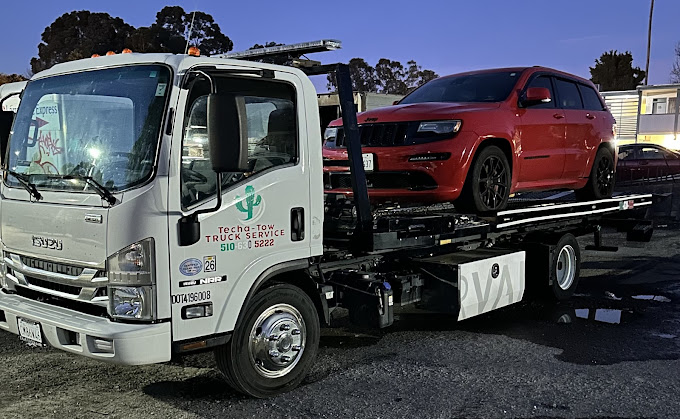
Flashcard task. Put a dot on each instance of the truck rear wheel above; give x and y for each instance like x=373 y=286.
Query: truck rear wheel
x=565 y=267
x=274 y=343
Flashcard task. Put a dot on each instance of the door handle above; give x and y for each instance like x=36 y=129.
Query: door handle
x=297 y=224
x=589 y=116
x=558 y=116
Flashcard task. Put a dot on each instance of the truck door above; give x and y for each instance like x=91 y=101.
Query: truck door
x=261 y=222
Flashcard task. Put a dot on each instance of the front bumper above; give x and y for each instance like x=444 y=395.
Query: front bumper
x=71 y=331
x=396 y=178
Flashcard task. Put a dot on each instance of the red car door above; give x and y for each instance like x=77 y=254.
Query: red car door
x=583 y=129
x=652 y=163
x=628 y=167
x=673 y=162
x=541 y=131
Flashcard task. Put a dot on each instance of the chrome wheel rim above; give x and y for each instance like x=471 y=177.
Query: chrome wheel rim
x=566 y=267
x=277 y=341
x=493 y=182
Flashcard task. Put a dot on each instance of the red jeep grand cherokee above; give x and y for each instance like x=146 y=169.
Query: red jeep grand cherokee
x=477 y=137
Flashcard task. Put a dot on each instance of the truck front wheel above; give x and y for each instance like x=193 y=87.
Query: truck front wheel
x=274 y=343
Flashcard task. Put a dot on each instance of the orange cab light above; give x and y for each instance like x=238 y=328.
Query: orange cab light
x=110 y=53
x=95 y=55
x=194 y=51
x=127 y=51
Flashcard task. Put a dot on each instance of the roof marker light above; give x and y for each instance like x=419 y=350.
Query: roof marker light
x=127 y=51
x=194 y=51
x=95 y=56
x=110 y=53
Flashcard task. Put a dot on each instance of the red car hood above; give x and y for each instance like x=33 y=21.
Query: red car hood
x=428 y=111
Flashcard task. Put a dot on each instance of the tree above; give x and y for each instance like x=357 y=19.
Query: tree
x=615 y=71
x=416 y=76
x=675 y=71
x=386 y=77
x=78 y=35
x=10 y=78
x=364 y=77
x=176 y=29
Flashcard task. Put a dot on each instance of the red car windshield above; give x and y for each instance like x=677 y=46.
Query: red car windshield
x=480 y=87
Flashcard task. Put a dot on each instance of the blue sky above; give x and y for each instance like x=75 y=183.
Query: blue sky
x=445 y=36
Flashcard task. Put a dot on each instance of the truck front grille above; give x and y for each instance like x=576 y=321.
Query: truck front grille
x=48 y=278
x=66 y=289
x=53 y=267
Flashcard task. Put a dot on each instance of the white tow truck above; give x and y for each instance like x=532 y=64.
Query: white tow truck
x=154 y=204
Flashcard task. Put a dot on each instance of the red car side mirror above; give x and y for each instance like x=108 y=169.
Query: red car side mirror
x=535 y=95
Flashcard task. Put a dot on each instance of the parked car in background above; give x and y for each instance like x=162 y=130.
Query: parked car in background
x=646 y=161
x=475 y=138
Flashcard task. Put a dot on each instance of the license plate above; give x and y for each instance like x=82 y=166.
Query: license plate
x=30 y=330
x=368 y=161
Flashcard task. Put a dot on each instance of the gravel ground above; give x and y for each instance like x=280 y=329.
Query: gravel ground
x=602 y=354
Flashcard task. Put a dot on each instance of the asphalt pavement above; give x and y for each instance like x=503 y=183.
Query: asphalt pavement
x=611 y=351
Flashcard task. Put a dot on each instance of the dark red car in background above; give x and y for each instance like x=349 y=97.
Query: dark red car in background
x=477 y=137
x=646 y=161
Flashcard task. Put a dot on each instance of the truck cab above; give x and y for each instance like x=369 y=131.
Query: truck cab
x=107 y=155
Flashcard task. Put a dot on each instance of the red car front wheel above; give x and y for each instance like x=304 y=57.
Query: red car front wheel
x=488 y=183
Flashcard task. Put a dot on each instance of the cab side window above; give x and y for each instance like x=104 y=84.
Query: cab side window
x=543 y=81
x=568 y=93
x=272 y=139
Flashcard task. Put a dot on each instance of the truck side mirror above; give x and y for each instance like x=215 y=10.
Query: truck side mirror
x=228 y=133
x=228 y=139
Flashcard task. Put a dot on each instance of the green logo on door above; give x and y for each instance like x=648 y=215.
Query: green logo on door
x=249 y=202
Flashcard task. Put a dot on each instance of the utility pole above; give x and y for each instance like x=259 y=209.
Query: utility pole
x=649 y=42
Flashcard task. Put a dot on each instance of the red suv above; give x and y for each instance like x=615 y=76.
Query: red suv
x=477 y=137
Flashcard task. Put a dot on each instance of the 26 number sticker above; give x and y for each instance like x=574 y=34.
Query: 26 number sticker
x=209 y=264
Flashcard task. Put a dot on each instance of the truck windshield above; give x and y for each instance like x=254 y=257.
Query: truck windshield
x=480 y=87
x=103 y=125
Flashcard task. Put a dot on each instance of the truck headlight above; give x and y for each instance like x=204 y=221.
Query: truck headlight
x=441 y=127
x=132 y=279
x=132 y=302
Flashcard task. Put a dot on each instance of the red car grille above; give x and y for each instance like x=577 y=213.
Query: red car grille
x=378 y=135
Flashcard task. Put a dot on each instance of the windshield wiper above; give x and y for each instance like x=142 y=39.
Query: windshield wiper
x=23 y=179
x=98 y=187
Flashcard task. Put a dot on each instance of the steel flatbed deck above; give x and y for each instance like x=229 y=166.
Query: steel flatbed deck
x=398 y=228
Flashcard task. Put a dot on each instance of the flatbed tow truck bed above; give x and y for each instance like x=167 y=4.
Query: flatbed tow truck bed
x=396 y=228
x=462 y=264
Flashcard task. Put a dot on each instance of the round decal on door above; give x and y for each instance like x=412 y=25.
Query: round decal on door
x=191 y=267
